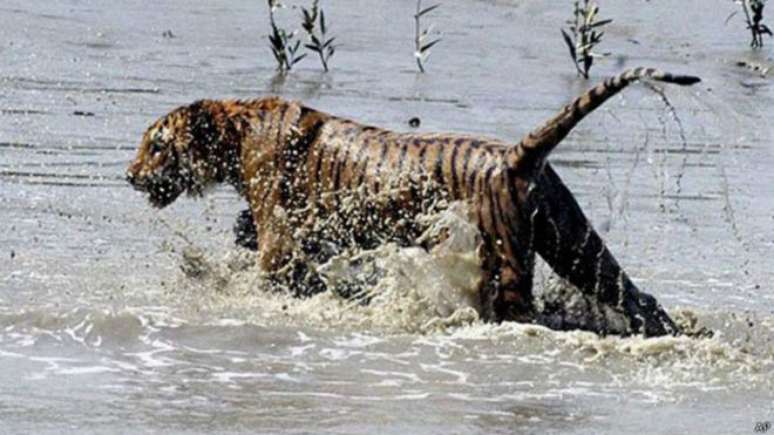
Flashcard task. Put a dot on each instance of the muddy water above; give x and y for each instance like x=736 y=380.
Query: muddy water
x=102 y=332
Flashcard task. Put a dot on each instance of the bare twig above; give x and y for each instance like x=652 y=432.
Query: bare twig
x=421 y=46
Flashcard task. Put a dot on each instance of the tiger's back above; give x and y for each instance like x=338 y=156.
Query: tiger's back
x=346 y=155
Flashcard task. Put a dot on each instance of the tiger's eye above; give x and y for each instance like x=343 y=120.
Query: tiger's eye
x=156 y=147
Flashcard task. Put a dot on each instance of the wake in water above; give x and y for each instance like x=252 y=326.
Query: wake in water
x=429 y=294
x=384 y=286
x=413 y=279
x=429 y=297
x=410 y=324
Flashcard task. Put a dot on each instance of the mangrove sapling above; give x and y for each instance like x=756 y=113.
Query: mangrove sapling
x=421 y=46
x=284 y=44
x=319 y=44
x=586 y=34
x=753 y=16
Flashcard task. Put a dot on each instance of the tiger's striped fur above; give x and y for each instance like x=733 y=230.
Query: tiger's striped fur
x=284 y=157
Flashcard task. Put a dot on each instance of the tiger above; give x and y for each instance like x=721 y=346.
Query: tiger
x=282 y=157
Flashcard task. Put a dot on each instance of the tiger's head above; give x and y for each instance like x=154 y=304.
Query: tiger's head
x=187 y=150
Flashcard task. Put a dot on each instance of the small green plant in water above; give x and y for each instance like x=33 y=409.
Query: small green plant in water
x=284 y=45
x=586 y=34
x=319 y=44
x=421 y=45
x=753 y=15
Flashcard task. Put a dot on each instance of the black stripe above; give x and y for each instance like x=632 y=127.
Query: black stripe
x=361 y=177
x=385 y=148
x=438 y=168
x=422 y=154
x=479 y=209
x=513 y=193
x=340 y=167
x=333 y=165
x=479 y=161
x=506 y=236
x=364 y=145
x=497 y=217
x=487 y=188
x=320 y=157
x=465 y=163
x=364 y=172
x=453 y=169
x=402 y=156
x=279 y=143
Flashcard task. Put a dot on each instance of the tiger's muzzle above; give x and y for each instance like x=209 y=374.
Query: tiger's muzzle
x=162 y=189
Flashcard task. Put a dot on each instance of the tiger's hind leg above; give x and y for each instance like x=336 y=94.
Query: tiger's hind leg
x=565 y=239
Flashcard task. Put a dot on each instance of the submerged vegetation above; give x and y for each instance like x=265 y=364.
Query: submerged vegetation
x=753 y=16
x=585 y=34
x=421 y=45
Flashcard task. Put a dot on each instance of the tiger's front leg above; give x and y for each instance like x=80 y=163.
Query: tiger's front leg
x=274 y=237
x=245 y=234
x=274 y=245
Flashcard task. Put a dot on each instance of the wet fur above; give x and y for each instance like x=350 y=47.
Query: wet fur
x=283 y=157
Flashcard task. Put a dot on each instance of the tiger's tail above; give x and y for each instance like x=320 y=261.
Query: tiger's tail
x=530 y=154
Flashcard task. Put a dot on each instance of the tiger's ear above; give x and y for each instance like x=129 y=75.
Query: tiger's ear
x=204 y=133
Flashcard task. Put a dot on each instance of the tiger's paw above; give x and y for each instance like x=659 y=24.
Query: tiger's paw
x=647 y=317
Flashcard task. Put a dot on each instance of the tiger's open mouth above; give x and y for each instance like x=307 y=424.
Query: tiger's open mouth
x=161 y=190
